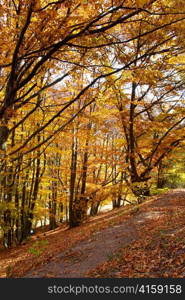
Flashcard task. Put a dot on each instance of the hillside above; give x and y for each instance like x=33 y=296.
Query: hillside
x=147 y=240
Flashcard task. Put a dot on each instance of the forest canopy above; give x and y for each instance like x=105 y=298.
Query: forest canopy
x=91 y=107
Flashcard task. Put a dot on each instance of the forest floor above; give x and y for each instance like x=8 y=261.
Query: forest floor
x=147 y=240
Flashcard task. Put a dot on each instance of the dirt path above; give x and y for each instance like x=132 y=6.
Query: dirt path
x=86 y=255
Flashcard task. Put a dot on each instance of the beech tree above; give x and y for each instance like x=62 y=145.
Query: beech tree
x=68 y=70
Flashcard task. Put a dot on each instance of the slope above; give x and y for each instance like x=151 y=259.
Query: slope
x=145 y=241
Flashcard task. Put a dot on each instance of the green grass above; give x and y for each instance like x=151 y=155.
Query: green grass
x=155 y=191
x=38 y=247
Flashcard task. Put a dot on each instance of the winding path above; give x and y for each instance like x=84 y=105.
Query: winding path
x=88 y=254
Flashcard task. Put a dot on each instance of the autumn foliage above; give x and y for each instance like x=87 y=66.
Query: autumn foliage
x=91 y=113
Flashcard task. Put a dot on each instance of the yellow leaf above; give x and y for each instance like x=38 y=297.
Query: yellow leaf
x=141 y=2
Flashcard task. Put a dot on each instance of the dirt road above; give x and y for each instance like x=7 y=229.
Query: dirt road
x=86 y=255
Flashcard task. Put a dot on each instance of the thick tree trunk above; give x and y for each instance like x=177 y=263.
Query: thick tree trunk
x=9 y=181
x=141 y=190
x=160 y=176
x=78 y=203
x=94 y=209
x=29 y=198
x=72 y=217
x=81 y=202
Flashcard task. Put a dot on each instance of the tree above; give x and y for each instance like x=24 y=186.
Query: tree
x=148 y=95
x=59 y=60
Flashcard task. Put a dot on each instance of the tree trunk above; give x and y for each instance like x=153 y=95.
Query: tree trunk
x=73 y=221
x=141 y=190
x=94 y=209
x=53 y=206
x=160 y=176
